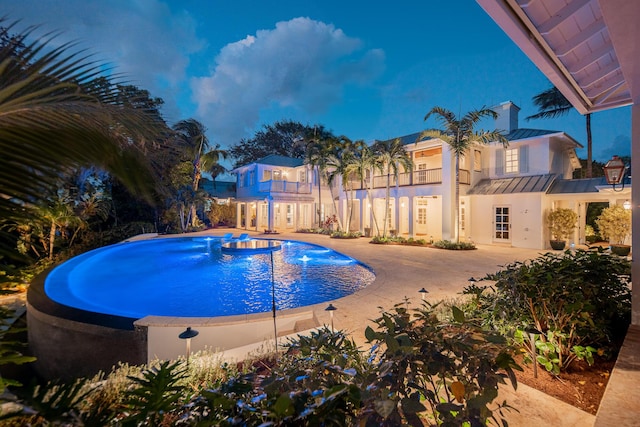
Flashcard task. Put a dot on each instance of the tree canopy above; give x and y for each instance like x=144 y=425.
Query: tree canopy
x=286 y=138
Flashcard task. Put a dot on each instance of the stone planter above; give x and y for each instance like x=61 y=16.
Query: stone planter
x=622 y=250
x=557 y=245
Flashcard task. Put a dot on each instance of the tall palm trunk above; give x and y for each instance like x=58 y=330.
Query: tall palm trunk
x=386 y=204
x=373 y=210
x=52 y=238
x=319 y=196
x=456 y=216
x=589 y=147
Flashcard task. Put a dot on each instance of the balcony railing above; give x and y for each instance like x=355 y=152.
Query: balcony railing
x=420 y=177
x=277 y=186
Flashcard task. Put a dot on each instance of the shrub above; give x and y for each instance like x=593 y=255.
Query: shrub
x=456 y=246
x=576 y=300
x=561 y=223
x=615 y=224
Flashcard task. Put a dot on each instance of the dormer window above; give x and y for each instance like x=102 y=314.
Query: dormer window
x=511 y=160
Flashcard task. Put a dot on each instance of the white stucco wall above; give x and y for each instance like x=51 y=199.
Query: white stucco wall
x=526 y=221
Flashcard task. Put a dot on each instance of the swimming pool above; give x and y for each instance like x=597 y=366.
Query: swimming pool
x=193 y=277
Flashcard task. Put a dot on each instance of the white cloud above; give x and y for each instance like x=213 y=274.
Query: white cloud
x=143 y=39
x=301 y=64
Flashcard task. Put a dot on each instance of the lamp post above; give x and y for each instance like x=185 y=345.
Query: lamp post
x=532 y=331
x=187 y=335
x=614 y=172
x=331 y=308
x=423 y=293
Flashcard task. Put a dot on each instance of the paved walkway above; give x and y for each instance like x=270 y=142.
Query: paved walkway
x=400 y=272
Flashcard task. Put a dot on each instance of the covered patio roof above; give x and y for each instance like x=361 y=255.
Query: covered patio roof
x=587 y=48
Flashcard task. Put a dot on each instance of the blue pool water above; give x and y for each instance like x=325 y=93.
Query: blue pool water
x=192 y=277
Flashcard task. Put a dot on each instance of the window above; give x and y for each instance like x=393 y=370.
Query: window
x=252 y=177
x=511 y=160
x=302 y=176
x=477 y=161
x=241 y=180
x=266 y=175
x=277 y=175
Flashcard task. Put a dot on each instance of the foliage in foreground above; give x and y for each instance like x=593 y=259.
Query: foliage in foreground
x=419 y=370
x=577 y=304
x=456 y=246
x=400 y=240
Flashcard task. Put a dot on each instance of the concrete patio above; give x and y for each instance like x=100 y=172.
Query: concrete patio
x=400 y=272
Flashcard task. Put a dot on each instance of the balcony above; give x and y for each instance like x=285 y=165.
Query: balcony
x=420 y=177
x=278 y=186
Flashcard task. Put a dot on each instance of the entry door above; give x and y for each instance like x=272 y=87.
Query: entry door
x=502 y=224
x=421 y=216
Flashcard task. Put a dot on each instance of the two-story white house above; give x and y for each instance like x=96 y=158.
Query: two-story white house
x=505 y=192
x=278 y=193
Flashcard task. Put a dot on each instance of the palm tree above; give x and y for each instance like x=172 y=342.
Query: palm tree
x=551 y=103
x=460 y=135
x=196 y=145
x=50 y=121
x=367 y=163
x=391 y=154
x=316 y=155
x=342 y=163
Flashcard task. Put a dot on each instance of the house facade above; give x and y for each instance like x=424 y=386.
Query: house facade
x=505 y=192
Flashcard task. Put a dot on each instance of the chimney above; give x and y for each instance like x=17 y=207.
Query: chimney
x=507 y=116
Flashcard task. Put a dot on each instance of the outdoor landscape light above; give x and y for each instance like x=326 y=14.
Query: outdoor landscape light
x=187 y=335
x=472 y=281
x=331 y=308
x=626 y=204
x=614 y=172
x=423 y=293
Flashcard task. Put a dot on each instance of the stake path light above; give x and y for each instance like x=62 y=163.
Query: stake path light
x=423 y=293
x=187 y=335
x=331 y=308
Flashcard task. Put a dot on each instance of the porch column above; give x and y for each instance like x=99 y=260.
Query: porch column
x=635 y=213
x=411 y=207
x=238 y=215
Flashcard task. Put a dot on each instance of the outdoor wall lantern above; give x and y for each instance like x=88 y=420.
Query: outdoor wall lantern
x=187 y=335
x=614 y=172
x=331 y=308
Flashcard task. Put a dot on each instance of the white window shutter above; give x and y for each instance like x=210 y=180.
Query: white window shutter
x=523 y=165
x=500 y=161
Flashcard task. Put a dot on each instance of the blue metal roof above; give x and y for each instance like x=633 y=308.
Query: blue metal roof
x=278 y=160
x=520 y=184
x=587 y=185
x=220 y=189
x=409 y=139
x=517 y=134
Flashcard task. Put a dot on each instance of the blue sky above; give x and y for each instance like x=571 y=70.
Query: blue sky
x=367 y=70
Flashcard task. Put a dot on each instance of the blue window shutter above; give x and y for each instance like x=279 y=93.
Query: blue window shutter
x=523 y=157
x=500 y=161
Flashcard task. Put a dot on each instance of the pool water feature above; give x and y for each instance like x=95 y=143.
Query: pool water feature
x=195 y=277
x=130 y=302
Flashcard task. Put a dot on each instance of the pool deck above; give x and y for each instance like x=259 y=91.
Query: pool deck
x=400 y=272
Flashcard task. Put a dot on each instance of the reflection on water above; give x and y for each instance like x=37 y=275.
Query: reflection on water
x=192 y=277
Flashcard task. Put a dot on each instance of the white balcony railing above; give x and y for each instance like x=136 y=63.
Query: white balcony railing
x=278 y=186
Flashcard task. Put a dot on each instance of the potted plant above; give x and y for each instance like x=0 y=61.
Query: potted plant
x=561 y=222
x=615 y=225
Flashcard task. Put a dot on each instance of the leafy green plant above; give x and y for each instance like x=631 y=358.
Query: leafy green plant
x=155 y=395
x=561 y=223
x=579 y=300
x=615 y=224
x=456 y=246
x=453 y=368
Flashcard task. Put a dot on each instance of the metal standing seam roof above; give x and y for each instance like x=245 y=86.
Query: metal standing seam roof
x=278 y=160
x=520 y=184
